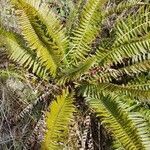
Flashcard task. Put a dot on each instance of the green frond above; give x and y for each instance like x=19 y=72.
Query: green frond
x=86 y=32
x=143 y=109
x=51 y=21
x=139 y=90
x=23 y=55
x=133 y=26
x=43 y=32
x=117 y=54
x=146 y=114
x=45 y=56
x=138 y=66
x=76 y=71
x=108 y=76
x=128 y=128
x=57 y=122
x=132 y=38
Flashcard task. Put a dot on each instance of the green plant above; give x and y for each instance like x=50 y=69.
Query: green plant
x=68 y=58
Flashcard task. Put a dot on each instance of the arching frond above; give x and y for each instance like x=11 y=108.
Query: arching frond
x=51 y=21
x=139 y=90
x=132 y=38
x=43 y=32
x=116 y=54
x=86 y=31
x=57 y=122
x=34 y=42
x=133 y=26
x=143 y=109
x=23 y=55
x=129 y=129
x=138 y=66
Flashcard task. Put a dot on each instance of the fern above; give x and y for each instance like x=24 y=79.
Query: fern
x=121 y=123
x=116 y=54
x=34 y=43
x=128 y=29
x=86 y=31
x=50 y=20
x=51 y=47
x=73 y=57
x=140 y=90
x=57 y=121
x=132 y=38
x=24 y=56
x=137 y=65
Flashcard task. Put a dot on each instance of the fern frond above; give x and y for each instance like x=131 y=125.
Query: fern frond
x=86 y=32
x=143 y=109
x=132 y=38
x=45 y=56
x=23 y=55
x=146 y=114
x=43 y=32
x=140 y=90
x=57 y=121
x=137 y=67
x=133 y=26
x=51 y=21
x=129 y=129
x=117 y=54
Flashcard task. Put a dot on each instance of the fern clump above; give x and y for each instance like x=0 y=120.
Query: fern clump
x=99 y=53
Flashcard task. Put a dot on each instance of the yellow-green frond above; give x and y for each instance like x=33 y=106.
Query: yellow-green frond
x=133 y=26
x=132 y=38
x=139 y=90
x=87 y=30
x=128 y=128
x=57 y=122
x=117 y=54
x=137 y=65
x=45 y=56
x=54 y=27
x=124 y=5
x=24 y=56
